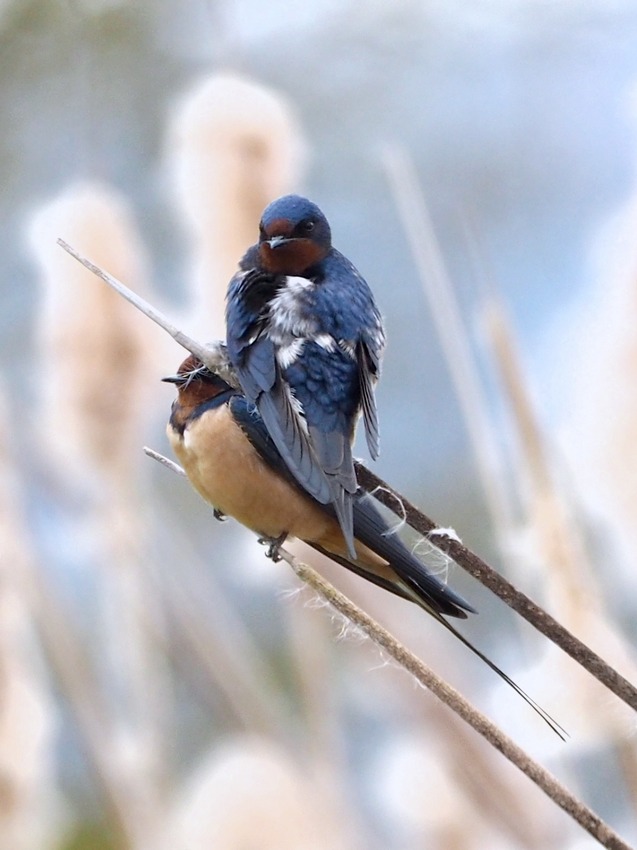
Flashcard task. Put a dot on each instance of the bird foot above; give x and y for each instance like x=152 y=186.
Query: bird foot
x=219 y=515
x=273 y=544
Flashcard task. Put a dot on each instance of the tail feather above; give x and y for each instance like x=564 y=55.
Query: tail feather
x=372 y=530
x=432 y=595
x=368 y=574
x=546 y=717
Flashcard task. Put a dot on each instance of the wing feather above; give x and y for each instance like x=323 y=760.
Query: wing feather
x=368 y=374
x=287 y=429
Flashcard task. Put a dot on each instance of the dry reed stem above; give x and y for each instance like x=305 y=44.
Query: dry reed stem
x=514 y=598
x=452 y=335
x=213 y=356
x=586 y=818
x=165 y=461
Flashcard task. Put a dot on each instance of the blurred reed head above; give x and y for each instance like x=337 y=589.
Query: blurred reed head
x=94 y=350
x=233 y=146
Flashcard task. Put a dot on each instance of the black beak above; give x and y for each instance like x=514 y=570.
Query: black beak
x=174 y=379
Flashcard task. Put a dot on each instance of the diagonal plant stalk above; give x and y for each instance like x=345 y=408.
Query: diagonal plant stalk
x=452 y=336
x=213 y=356
x=560 y=795
x=503 y=588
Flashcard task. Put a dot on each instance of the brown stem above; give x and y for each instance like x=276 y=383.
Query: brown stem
x=514 y=598
x=584 y=816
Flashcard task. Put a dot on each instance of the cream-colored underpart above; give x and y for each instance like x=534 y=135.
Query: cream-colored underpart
x=228 y=473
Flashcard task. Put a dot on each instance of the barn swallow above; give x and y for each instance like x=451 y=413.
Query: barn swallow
x=306 y=340
x=233 y=462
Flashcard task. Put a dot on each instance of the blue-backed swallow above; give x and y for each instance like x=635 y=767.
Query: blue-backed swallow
x=233 y=462
x=306 y=340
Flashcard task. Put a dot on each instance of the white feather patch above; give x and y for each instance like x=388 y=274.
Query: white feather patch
x=288 y=312
x=296 y=285
x=297 y=407
x=348 y=347
x=287 y=354
x=326 y=341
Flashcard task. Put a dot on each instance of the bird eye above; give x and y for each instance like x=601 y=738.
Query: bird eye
x=308 y=226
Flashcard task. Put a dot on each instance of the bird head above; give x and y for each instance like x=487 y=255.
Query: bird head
x=294 y=235
x=196 y=383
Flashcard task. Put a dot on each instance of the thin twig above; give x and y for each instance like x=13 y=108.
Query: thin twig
x=606 y=836
x=165 y=461
x=514 y=598
x=213 y=355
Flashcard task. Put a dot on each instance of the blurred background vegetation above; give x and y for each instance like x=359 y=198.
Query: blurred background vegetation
x=160 y=683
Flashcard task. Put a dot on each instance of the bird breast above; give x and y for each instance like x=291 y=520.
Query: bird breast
x=226 y=470
x=290 y=313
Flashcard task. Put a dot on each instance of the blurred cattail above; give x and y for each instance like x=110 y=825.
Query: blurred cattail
x=593 y=370
x=96 y=376
x=595 y=348
x=554 y=539
x=249 y=793
x=461 y=812
x=597 y=377
x=233 y=146
x=95 y=352
x=29 y=810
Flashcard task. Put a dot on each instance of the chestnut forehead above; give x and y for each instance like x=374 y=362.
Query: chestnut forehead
x=190 y=363
x=279 y=227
